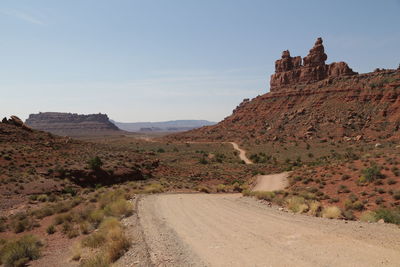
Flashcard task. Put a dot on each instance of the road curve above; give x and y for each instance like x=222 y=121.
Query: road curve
x=230 y=230
x=242 y=153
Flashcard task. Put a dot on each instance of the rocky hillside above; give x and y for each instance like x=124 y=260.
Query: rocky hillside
x=72 y=124
x=312 y=100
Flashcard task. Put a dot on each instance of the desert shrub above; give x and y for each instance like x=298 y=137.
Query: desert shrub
x=117 y=244
x=98 y=260
x=353 y=205
x=161 y=150
x=118 y=208
x=221 y=188
x=94 y=240
x=358 y=205
x=349 y=215
x=203 y=160
x=73 y=232
x=388 y=215
x=96 y=217
x=297 y=204
x=3 y=225
x=368 y=216
x=372 y=173
x=396 y=195
x=264 y=195
x=110 y=236
x=62 y=218
x=76 y=252
x=43 y=212
x=51 y=229
x=95 y=163
x=109 y=197
x=345 y=177
x=331 y=212
x=153 y=189
x=237 y=187
x=247 y=193
x=85 y=227
x=204 y=189
x=22 y=222
x=21 y=251
x=314 y=208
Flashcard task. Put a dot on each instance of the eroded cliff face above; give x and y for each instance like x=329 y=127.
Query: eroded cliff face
x=294 y=70
x=71 y=124
x=314 y=100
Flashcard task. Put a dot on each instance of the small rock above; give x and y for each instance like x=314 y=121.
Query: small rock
x=358 y=138
x=378 y=145
x=381 y=221
x=347 y=139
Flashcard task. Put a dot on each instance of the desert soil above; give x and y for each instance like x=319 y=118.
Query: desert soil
x=231 y=230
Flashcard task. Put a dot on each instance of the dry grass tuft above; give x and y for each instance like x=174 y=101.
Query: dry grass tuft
x=331 y=212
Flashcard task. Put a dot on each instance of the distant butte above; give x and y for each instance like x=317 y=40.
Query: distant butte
x=72 y=124
x=312 y=68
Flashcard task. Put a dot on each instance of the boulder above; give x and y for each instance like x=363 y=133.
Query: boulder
x=16 y=121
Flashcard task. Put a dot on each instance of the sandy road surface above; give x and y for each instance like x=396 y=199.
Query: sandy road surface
x=230 y=230
x=271 y=182
x=242 y=153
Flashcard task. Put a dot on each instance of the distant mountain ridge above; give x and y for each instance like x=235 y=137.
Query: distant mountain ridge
x=72 y=124
x=163 y=126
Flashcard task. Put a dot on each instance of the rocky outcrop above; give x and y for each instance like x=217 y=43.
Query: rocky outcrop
x=364 y=107
x=71 y=124
x=293 y=70
x=14 y=120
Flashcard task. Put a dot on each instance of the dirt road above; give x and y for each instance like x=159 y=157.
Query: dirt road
x=230 y=230
x=242 y=153
x=271 y=182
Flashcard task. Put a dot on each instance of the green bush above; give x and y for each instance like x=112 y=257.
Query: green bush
x=21 y=251
x=388 y=215
x=95 y=163
x=368 y=216
x=372 y=173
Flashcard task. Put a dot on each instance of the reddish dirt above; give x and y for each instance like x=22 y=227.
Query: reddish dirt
x=340 y=181
x=359 y=107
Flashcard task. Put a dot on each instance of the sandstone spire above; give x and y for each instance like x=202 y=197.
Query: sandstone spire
x=290 y=70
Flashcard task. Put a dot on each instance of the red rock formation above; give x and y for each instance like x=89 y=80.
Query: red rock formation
x=290 y=71
x=71 y=124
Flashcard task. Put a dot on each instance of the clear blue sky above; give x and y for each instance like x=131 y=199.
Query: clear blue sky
x=174 y=59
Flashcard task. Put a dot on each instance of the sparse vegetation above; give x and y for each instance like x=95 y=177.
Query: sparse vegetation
x=21 y=251
x=95 y=163
x=331 y=212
